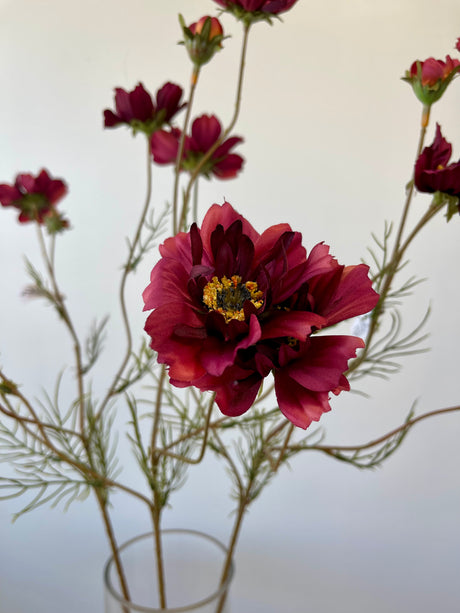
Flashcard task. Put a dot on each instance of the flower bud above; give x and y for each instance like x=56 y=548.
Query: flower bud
x=55 y=222
x=429 y=79
x=202 y=39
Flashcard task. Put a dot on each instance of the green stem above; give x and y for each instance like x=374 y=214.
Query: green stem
x=127 y=269
x=207 y=156
x=156 y=520
x=113 y=546
x=244 y=502
x=194 y=81
x=63 y=312
x=381 y=439
x=396 y=256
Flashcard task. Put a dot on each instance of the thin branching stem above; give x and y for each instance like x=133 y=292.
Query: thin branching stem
x=207 y=156
x=128 y=267
x=156 y=520
x=432 y=211
x=189 y=435
x=157 y=413
x=410 y=190
x=396 y=256
x=206 y=428
x=62 y=309
x=38 y=422
x=284 y=448
x=113 y=546
x=223 y=451
x=244 y=503
x=381 y=439
x=34 y=417
x=180 y=151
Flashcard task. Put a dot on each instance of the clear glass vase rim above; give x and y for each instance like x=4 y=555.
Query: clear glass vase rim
x=181 y=609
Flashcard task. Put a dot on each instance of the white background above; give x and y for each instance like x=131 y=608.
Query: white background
x=330 y=135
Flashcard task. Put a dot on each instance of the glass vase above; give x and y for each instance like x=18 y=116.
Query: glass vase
x=193 y=565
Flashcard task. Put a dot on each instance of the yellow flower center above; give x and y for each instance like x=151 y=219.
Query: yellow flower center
x=227 y=296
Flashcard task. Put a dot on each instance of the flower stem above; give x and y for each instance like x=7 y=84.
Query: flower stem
x=156 y=520
x=381 y=439
x=244 y=502
x=129 y=266
x=180 y=151
x=64 y=314
x=207 y=156
x=113 y=546
x=397 y=252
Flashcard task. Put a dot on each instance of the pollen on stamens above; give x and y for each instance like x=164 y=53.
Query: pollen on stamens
x=227 y=296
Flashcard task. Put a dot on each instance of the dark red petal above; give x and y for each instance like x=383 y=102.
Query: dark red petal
x=179 y=355
x=432 y=71
x=25 y=183
x=229 y=167
x=164 y=147
x=168 y=283
x=324 y=361
x=236 y=396
x=277 y=6
x=141 y=103
x=353 y=295
x=226 y=146
x=205 y=131
x=196 y=244
x=218 y=355
x=123 y=105
x=446 y=180
x=251 y=5
x=168 y=98
x=8 y=194
x=320 y=261
x=297 y=324
x=53 y=189
x=431 y=161
x=224 y=215
x=301 y=406
x=110 y=119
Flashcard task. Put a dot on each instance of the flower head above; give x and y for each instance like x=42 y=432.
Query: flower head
x=206 y=130
x=433 y=173
x=255 y=10
x=202 y=39
x=35 y=198
x=137 y=109
x=231 y=305
x=429 y=79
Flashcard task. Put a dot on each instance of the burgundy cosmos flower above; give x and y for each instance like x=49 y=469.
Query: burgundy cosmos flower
x=205 y=132
x=273 y=7
x=35 y=198
x=433 y=173
x=231 y=306
x=136 y=108
x=430 y=78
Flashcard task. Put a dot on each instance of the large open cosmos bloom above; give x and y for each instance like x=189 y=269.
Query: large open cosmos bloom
x=231 y=306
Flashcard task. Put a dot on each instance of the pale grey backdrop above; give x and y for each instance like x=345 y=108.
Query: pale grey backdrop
x=330 y=133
